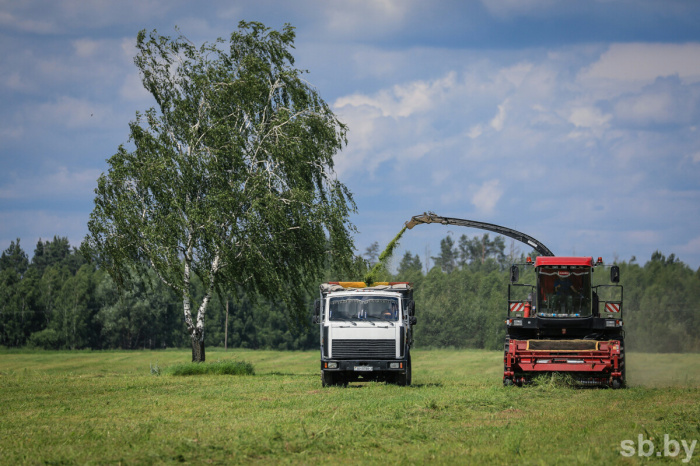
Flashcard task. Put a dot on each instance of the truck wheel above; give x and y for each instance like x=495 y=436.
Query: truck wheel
x=327 y=379
x=405 y=379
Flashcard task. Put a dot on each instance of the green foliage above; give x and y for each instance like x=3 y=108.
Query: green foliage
x=447 y=259
x=231 y=177
x=478 y=250
x=14 y=259
x=68 y=308
x=212 y=368
x=47 y=339
x=661 y=309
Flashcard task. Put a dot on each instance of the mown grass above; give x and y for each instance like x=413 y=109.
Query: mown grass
x=106 y=407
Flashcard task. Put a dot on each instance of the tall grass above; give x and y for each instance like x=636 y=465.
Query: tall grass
x=212 y=368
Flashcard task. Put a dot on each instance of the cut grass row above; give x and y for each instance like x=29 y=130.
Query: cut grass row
x=106 y=407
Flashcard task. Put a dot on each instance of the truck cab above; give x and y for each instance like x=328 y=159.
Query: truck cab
x=366 y=332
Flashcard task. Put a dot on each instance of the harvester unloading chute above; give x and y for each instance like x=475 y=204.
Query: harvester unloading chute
x=431 y=217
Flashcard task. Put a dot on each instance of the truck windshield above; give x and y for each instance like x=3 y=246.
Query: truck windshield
x=355 y=308
x=564 y=291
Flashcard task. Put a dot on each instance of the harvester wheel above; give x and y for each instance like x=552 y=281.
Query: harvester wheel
x=508 y=382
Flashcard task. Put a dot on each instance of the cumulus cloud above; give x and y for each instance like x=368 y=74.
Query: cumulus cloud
x=59 y=183
x=12 y=21
x=505 y=9
x=487 y=196
x=403 y=100
x=589 y=117
x=32 y=225
x=70 y=112
x=499 y=119
x=367 y=17
x=667 y=101
x=646 y=62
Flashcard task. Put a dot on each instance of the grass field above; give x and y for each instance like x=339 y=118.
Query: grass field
x=108 y=407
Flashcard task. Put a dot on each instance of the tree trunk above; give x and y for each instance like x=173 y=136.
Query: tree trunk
x=197 y=346
x=226 y=328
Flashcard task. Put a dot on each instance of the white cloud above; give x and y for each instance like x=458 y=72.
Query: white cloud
x=32 y=225
x=646 y=62
x=516 y=74
x=366 y=17
x=499 y=119
x=589 y=117
x=69 y=112
x=475 y=131
x=11 y=21
x=505 y=9
x=691 y=247
x=487 y=196
x=86 y=48
x=133 y=89
x=403 y=100
x=60 y=183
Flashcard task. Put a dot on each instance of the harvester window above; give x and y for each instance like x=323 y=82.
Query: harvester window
x=564 y=291
x=356 y=308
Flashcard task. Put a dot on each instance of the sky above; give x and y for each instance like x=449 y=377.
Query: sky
x=575 y=122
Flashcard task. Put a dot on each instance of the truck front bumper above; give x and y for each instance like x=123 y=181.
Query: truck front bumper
x=363 y=365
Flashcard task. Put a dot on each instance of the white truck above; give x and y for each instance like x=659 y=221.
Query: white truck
x=366 y=332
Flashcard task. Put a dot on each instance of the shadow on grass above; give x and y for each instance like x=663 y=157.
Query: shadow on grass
x=427 y=385
x=290 y=374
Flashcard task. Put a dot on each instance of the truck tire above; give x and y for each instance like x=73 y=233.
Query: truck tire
x=328 y=379
x=404 y=379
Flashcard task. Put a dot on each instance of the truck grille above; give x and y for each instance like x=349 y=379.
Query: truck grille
x=364 y=349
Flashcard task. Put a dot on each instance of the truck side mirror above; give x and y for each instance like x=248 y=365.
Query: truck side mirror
x=514 y=273
x=615 y=274
x=412 y=320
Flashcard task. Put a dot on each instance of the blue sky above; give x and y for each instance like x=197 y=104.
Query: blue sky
x=576 y=122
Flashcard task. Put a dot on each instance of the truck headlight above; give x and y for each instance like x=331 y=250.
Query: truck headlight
x=518 y=322
x=393 y=365
x=332 y=365
x=609 y=323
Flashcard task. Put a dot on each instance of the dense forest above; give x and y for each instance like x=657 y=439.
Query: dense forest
x=57 y=300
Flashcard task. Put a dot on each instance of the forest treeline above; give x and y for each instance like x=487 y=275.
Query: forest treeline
x=57 y=300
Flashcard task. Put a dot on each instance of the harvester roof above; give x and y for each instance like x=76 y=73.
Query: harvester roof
x=568 y=261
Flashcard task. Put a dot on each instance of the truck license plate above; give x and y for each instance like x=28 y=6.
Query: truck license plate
x=364 y=368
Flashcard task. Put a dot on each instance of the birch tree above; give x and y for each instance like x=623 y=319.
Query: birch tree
x=230 y=176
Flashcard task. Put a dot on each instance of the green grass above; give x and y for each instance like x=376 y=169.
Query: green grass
x=107 y=407
x=208 y=368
